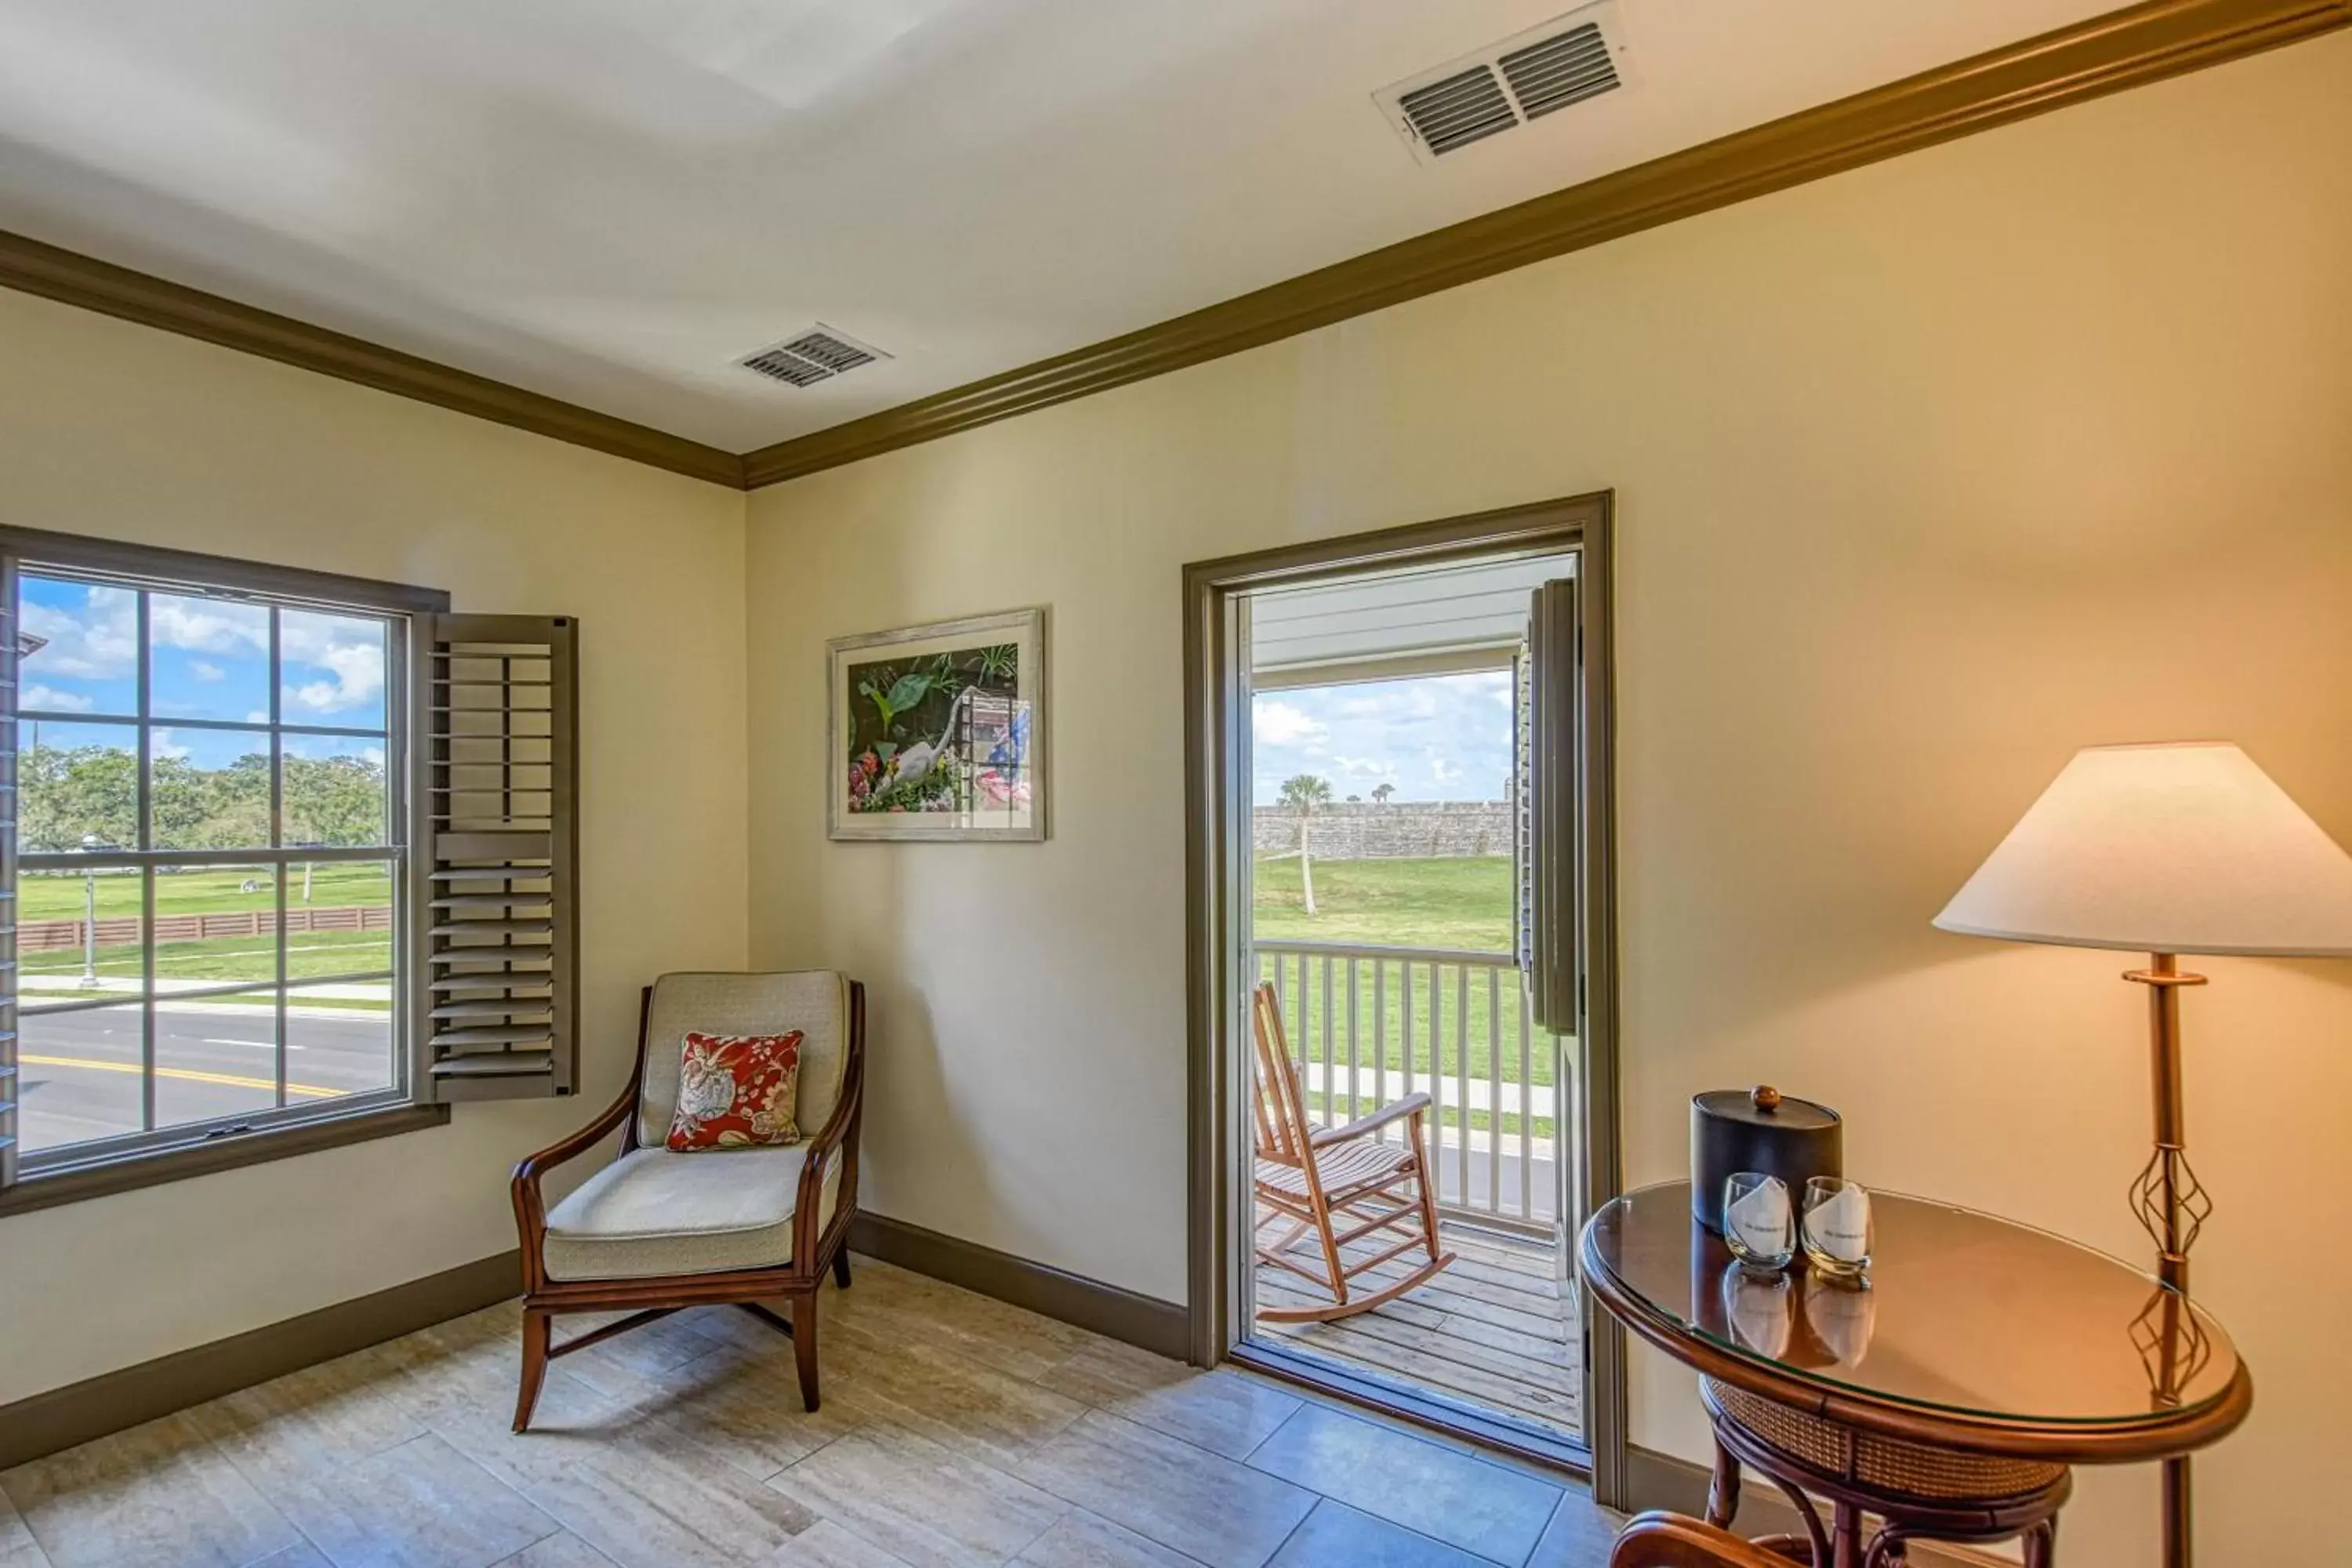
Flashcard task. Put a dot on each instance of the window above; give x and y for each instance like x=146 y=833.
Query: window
x=253 y=890
x=209 y=886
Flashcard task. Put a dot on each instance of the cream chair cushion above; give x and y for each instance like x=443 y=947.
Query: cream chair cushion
x=652 y=1212
x=816 y=1002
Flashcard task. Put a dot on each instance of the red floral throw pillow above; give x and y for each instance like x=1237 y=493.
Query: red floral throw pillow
x=735 y=1090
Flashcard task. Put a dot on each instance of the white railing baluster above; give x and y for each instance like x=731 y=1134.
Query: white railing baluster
x=1405 y=988
x=1355 y=1051
x=1527 y=1102
x=1381 y=1036
x=1437 y=1073
x=1331 y=1098
x=1493 y=1085
x=1462 y=1072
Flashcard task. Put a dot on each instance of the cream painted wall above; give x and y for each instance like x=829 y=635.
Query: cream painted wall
x=1927 y=475
x=122 y=432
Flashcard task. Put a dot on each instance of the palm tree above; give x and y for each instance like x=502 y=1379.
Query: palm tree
x=1303 y=793
x=1381 y=794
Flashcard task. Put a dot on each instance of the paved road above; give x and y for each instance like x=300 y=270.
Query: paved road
x=80 y=1070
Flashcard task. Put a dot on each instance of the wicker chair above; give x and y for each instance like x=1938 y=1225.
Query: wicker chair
x=1319 y=1180
x=660 y=1231
x=1672 y=1540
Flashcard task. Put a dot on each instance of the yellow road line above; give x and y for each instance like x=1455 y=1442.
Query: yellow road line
x=187 y=1075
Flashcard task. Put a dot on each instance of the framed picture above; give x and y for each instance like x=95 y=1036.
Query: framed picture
x=938 y=731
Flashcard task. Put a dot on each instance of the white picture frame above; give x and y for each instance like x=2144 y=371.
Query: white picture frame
x=938 y=733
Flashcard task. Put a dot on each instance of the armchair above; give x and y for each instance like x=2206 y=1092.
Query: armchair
x=659 y=1231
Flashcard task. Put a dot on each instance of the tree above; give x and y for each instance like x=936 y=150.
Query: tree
x=73 y=794
x=1380 y=796
x=1303 y=793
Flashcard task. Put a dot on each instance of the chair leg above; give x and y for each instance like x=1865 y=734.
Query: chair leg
x=841 y=1267
x=1723 y=1488
x=804 y=1346
x=1428 y=1188
x=538 y=1329
x=1331 y=1252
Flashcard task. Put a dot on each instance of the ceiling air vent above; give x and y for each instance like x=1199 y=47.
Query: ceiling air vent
x=818 y=354
x=1458 y=109
x=1565 y=62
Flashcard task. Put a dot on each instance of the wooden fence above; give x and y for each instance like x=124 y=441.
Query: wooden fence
x=123 y=930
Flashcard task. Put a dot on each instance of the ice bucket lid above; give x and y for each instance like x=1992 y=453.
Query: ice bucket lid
x=1765 y=1106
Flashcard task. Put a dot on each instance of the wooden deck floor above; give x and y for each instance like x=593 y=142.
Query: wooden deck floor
x=1498 y=1330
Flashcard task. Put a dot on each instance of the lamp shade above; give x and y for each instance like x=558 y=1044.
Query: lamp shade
x=2167 y=849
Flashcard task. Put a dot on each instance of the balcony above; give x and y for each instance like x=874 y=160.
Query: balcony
x=1498 y=1330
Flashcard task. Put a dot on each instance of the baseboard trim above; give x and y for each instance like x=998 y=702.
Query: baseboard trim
x=1662 y=1482
x=62 y=1417
x=1162 y=1327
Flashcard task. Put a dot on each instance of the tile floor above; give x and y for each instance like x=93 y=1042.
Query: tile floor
x=956 y=1430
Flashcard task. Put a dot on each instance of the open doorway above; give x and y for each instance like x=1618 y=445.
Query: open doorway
x=1398 y=738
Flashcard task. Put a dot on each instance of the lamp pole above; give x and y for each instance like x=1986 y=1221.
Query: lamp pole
x=2173 y=1206
x=89 y=917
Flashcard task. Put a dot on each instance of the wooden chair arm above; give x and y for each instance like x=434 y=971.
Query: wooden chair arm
x=1397 y=1110
x=808 y=1228
x=1675 y=1540
x=529 y=1207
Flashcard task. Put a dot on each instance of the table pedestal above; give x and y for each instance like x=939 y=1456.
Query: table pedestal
x=1917 y=1492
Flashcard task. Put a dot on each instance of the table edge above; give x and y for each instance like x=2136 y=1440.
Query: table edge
x=2155 y=1435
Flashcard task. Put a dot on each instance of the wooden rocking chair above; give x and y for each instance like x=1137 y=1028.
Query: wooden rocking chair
x=1317 y=1180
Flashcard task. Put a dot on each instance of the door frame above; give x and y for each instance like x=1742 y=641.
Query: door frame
x=1216 y=850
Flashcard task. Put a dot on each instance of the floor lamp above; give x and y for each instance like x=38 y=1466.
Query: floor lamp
x=2165 y=849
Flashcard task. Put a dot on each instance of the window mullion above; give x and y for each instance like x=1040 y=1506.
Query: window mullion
x=277 y=839
x=143 y=831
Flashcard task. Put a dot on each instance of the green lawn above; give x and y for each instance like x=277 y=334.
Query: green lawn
x=1461 y=904
x=62 y=895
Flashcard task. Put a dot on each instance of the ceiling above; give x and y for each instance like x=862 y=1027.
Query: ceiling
x=611 y=201
x=1311 y=634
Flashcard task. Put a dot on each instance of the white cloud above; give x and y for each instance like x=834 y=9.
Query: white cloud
x=99 y=644
x=1440 y=771
x=1281 y=724
x=50 y=698
x=204 y=670
x=351 y=652
x=1373 y=769
x=164 y=746
x=202 y=626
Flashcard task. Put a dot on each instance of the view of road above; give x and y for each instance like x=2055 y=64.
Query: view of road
x=80 y=1070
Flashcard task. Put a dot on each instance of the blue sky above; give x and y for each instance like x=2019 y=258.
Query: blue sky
x=210 y=659
x=1434 y=738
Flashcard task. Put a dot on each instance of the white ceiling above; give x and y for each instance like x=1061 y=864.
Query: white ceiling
x=1387 y=615
x=609 y=201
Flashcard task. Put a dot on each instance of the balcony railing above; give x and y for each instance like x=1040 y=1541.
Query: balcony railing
x=1368 y=1024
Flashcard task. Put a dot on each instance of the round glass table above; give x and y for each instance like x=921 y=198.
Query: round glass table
x=1948 y=1396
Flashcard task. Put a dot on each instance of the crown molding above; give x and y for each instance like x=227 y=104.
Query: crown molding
x=2107 y=54
x=33 y=268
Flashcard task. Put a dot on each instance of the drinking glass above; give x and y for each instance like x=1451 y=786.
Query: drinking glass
x=1837 y=1228
x=1757 y=1225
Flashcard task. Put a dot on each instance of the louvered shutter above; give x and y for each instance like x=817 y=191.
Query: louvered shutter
x=10 y=1091
x=1554 y=727
x=496 y=930
x=1523 y=817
